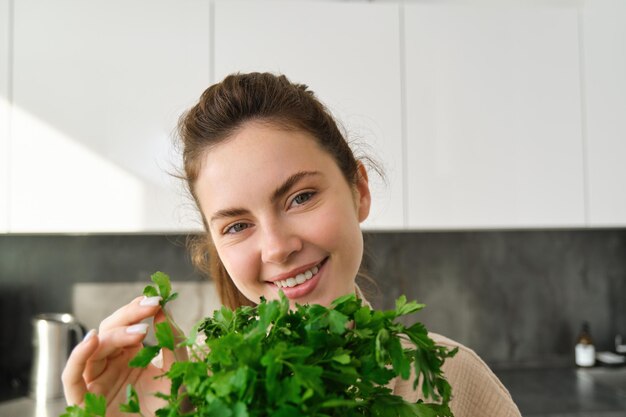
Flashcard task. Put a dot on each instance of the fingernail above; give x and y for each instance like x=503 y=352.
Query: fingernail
x=150 y=301
x=141 y=328
x=91 y=333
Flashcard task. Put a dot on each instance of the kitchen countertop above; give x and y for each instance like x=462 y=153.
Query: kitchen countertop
x=558 y=392
x=27 y=407
x=567 y=392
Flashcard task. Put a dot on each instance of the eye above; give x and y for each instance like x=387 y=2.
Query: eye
x=302 y=198
x=236 y=228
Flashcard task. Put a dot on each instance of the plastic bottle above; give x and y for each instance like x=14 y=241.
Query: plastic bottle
x=585 y=350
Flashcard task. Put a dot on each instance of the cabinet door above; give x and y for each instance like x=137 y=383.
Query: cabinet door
x=98 y=87
x=604 y=52
x=349 y=54
x=4 y=113
x=493 y=116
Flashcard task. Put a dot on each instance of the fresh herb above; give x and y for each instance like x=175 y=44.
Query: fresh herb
x=132 y=401
x=164 y=333
x=95 y=406
x=312 y=361
x=163 y=288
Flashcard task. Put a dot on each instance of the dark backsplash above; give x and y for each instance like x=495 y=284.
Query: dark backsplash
x=516 y=297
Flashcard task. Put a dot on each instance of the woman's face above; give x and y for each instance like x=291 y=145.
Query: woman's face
x=282 y=216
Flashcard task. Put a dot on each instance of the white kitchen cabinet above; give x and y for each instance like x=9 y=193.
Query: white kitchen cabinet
x=348 y=53
x=493 y=116
x=604 y=53
x=97 y=90
x=4 y=113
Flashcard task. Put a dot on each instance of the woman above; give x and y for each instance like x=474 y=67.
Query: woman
x=282 y=198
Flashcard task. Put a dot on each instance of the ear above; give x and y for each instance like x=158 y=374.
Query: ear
x=364 y=198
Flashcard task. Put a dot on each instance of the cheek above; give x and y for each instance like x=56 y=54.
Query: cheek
x=239 y=263
x=338 y=228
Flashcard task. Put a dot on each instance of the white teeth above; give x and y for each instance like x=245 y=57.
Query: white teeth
x=298 y=279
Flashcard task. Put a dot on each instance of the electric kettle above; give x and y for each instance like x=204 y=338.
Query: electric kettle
x=54 y=337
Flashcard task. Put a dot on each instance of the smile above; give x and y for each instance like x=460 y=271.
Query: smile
x=301 y=278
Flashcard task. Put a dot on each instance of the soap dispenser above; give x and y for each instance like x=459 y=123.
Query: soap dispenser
x=585 y=350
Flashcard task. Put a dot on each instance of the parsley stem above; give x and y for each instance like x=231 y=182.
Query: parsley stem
x=179 y=334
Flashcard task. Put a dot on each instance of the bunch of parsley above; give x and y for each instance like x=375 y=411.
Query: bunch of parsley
x=312 y=361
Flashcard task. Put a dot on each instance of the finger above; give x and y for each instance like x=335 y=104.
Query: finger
x=112 y=344
x=137 y=310
x=180 y=353
x=74 y=386
x=115 y=377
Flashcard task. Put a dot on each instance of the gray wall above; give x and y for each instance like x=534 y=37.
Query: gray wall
x=517 y=297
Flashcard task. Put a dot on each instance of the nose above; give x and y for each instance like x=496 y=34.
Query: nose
x=279 y=242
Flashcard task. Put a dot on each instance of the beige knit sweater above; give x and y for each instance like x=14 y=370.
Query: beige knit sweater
x=476 y=391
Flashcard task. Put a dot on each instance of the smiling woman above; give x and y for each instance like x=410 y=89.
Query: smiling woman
x=282 y=197
x=279 y=189
x=269 y=230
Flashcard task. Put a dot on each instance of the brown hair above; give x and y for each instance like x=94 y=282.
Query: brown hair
x=223 y=109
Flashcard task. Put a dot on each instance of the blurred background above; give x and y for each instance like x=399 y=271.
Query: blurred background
x=500 y=127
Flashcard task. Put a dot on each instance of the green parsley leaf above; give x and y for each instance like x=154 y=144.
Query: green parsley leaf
x=150 y=291
x=95 y=406
x=144 y=356
x=132 y=401
x=342 y=358
x=163 y=283
x=192 y=338
x=337 y=322
x=403 y=308
x=164 y=335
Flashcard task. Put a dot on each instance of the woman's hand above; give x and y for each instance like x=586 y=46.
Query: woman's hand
x=99 y=364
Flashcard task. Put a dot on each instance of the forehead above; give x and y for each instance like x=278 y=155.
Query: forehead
x=261 y=145
x=255 y=159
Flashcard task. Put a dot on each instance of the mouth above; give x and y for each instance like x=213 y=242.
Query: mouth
x=300 y=278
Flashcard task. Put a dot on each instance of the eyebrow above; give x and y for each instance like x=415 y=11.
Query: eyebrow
x=279 y=192
x=290 y=182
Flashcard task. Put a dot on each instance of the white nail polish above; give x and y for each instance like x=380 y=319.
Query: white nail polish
x=141 y=328
x=150 y=301
x=91 y=333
